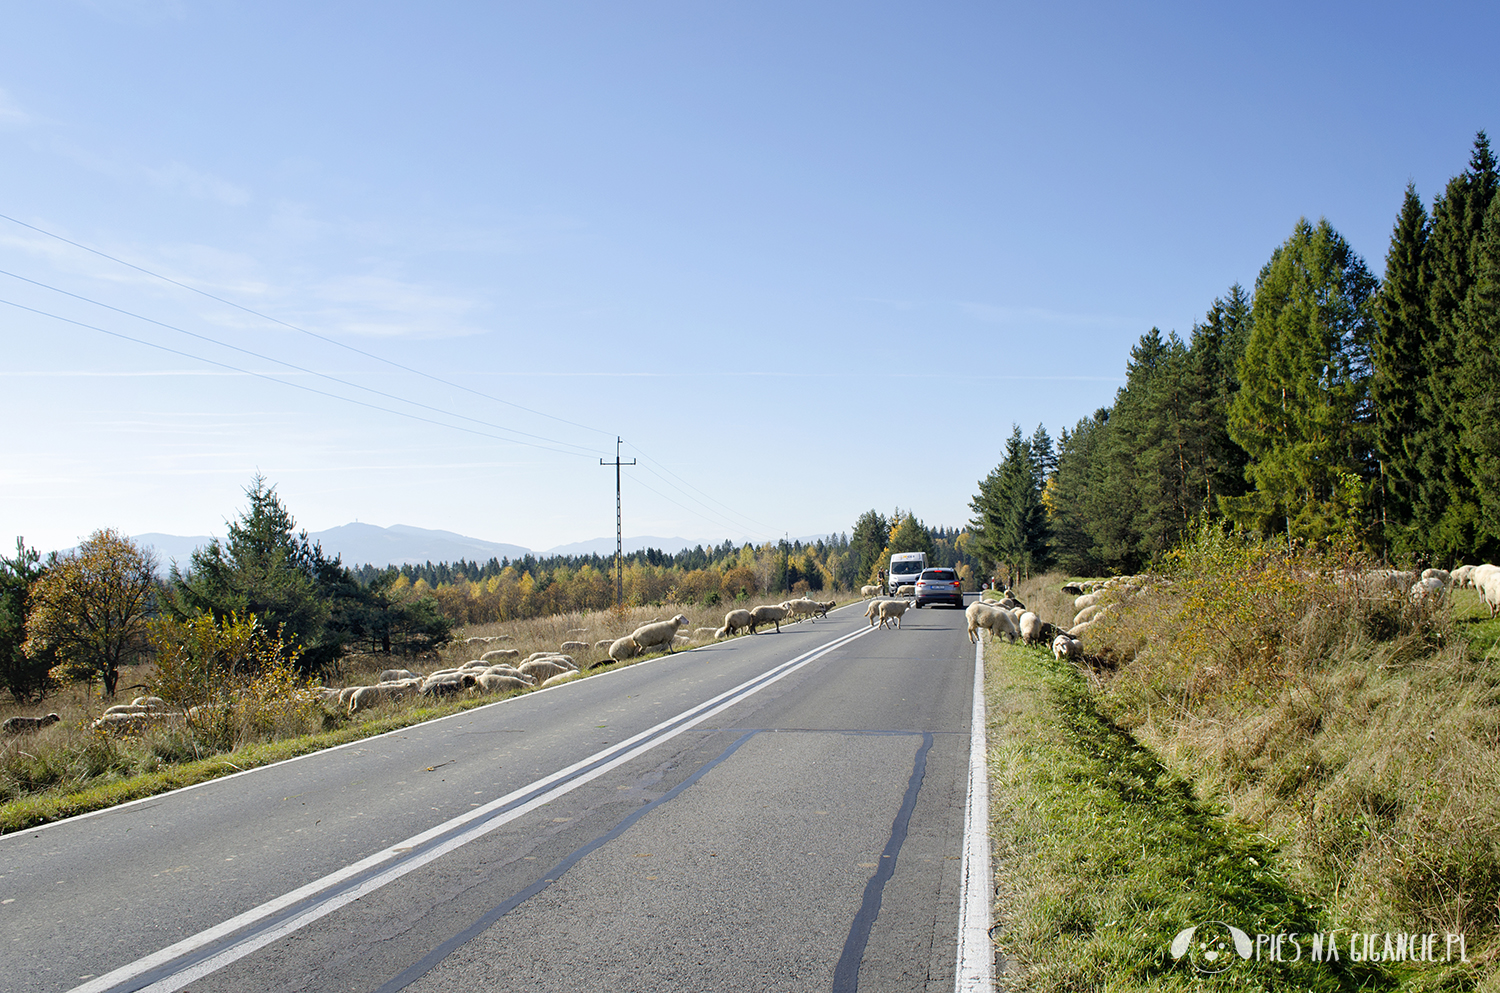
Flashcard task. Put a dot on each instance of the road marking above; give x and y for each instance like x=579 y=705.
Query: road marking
x=189 y=960
x=976 y=955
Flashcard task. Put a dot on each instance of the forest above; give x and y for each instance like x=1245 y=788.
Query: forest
x=1323 y=404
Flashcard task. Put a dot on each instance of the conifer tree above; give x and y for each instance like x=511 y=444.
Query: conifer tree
x=1399 y=379
x=1478 y=382
x=1302 y=403
x=1067 y=495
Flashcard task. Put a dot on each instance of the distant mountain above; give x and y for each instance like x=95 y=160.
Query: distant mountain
x=606 y=546
x=362 y=544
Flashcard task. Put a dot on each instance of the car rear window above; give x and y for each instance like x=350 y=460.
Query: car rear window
x=940 y=574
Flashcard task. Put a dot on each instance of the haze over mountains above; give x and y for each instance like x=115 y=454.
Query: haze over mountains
x=400 y=544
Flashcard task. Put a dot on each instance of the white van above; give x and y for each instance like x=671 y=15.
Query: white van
x=906 y=569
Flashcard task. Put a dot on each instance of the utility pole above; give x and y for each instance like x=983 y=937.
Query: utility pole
x=619 y=534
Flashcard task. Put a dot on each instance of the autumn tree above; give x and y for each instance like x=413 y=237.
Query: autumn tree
x=89 y=610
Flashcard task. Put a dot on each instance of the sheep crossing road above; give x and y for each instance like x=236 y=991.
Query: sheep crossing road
x=776 y=812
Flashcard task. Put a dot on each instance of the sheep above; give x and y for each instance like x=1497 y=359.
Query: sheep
x=1031 y=628
x=873 y=611
x=1442 y=575
x=891 y=610
x=556 y=658
x=624 y=648
x=824 y=606
x=1073 y=589
x=703 y=632
x=1063 y=645
x=909 y=589
x=391 y=675
x=542 y=670
x=767 y=615
x=796 y=608
x=450 y=684
x=1078 y=629
x=491 y=682
x=500 y=653
x=502 y=670
x=1431 y=587
x=996 y=619
x=869 y=591
x=575 y=646
x=1089 y=613
x=604 y=643
x=127 y=708
x=1086 y=600
x=659 y=633
x=27 y=725
x=1488 y=583
x=577 y=631
x=1462 y=576
x=562 y=677
x=733 y=621
x=152 y=702
x=131 y=723
x=366 y=697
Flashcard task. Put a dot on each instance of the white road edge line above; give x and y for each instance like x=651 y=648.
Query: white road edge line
x=238 y=950
x=976 y=954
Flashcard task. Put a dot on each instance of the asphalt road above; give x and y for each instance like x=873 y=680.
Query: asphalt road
x=778 y=811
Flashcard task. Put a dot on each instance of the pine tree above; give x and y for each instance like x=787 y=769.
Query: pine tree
x=1011 y=527
x=1303 y=388
x=1067 y=496
x=1398 y=380
x=1478 y=382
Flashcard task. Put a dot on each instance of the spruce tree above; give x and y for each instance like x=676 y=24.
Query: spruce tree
x=1398 y=380
x=1067 y=495
x=1478 y=382
x=1303 y=388
x=1445 y=512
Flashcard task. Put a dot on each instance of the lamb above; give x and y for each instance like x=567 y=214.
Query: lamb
x=997 y=620
x=767 y=615
x=659 y=633
x=27 y=725
x=891 y=610
x=733 y=621
x=624 y=648
x=1063 y=645
x=500 y=653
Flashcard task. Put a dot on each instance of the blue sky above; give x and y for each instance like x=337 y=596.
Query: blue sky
x=805 y=258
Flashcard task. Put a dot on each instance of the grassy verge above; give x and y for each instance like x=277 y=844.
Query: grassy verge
x=1104 y=856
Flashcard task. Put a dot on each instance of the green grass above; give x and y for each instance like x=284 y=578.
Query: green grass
x=1104 y=856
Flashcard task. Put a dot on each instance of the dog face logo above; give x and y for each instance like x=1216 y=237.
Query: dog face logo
x=1212 y=946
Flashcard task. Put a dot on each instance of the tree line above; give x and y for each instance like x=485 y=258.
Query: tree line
x=1324 y=404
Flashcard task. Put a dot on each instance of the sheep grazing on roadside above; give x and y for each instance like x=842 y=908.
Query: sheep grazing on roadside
x=498 y=683
x=996 y=620
x=604 y=643
x=869 y=591
x=449 y=684
x=575 y=646
x=767 y=614
x=891 y=610
x=151 y=702
x=733 y=621
x=1065 y=647
x=624 y=648
x=659 y=633
x=500 y=653
x=127 y=708
x=703 y=633
x=1089 y=613
x=392 y=675
x=1431 y=588
x=1086 y=600
x=1033 y=629
x=562 y=677
x=542 y=669
x=366 y=697
x=1487 y=581
x=1072 y=589
x=1443 y=575
x=27 y=725
x=1463 y=576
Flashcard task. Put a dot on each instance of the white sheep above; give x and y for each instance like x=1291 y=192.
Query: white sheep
x=873 y=611
x=869 y=591
x=624 y=648
x=1090 y=612
x=492 y=682
x=1442 y=575
x=1086 y=600
x=659 y=633
x=500 y=653
x=27 y=725
x=604 y=643
x=449 y=684
x=908 y=589
x=543 y=669
x=366 y=697
x=802 y=607
x=1463 y=576
x=733 y=621
x=768 y=614
x=575 y=646
x=562 y=677
x=997 y=620
x=1032 y=629
x=1064 y=646
x=1487 y=581
x=891 y=610
x=391 y=675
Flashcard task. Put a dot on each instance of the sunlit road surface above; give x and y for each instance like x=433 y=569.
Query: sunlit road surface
x=772 y=812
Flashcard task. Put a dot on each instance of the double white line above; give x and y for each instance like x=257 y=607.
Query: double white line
x=189 y=960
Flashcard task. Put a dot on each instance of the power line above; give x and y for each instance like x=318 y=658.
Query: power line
x=273 y=379
x=292 y=365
